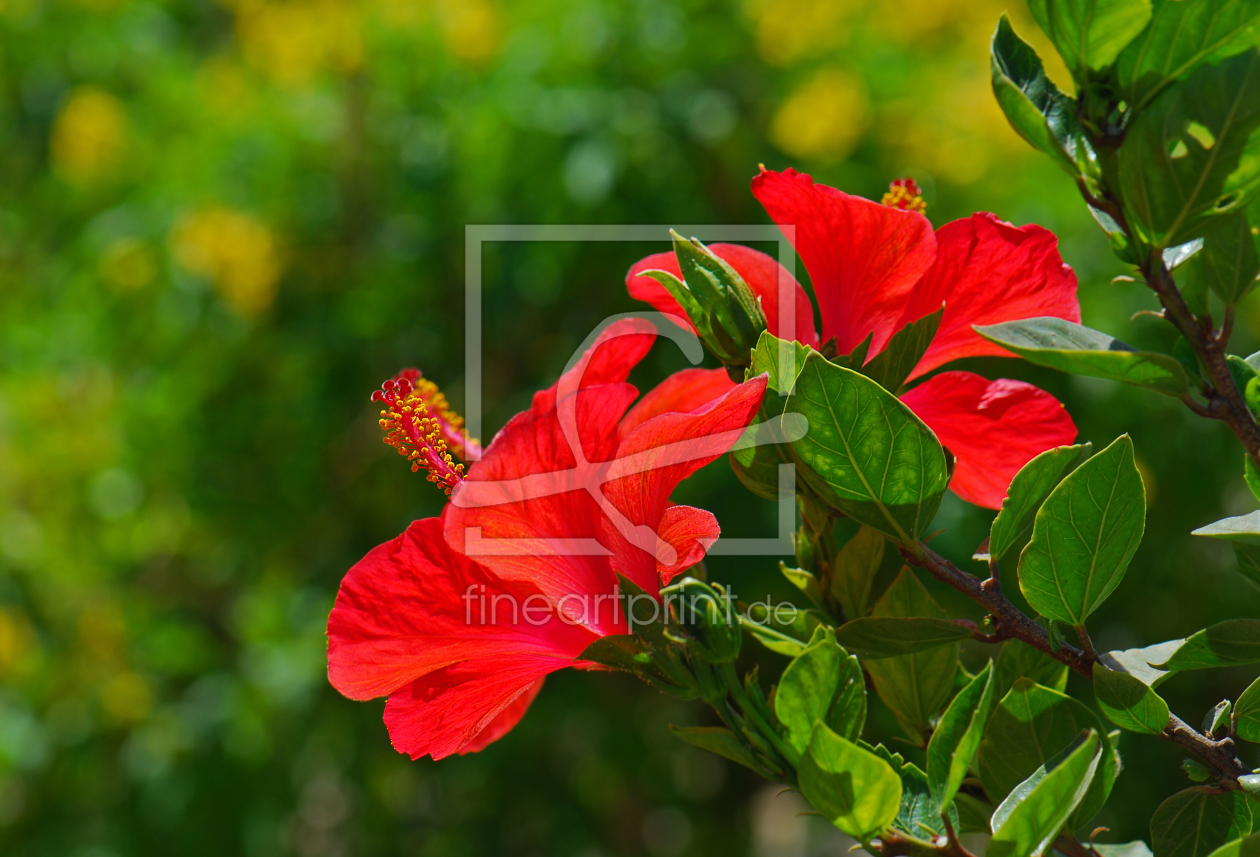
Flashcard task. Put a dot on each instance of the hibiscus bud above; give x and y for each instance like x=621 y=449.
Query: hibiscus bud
x=706 y=613
x=721 y=306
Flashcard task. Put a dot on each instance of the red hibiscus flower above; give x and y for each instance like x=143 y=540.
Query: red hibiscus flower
x=878 y=267
x=460 y=618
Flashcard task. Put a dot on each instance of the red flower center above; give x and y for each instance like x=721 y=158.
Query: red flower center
x=905 y=195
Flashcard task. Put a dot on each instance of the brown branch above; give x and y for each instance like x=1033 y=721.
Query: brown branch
x=1012 y=623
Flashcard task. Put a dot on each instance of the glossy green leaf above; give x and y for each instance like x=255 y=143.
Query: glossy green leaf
x=892 y=366
x=914 y=686
x=873 y=638
x=1035 y=820
x=851 y=787
x=1241 y=527
x=1070 y=347
x=1193 y=823
x=1234 y=642
x=1181 y=37
x=1028 y=729
x=1248 y=556
x=866 y=453
x=716 y=739
x=822 y=683
x=854 y=570
x=957 y=736
x=1084 y=536
x=804 y=581
x=1139 y=662
x=1128 y=702
x=1019 y=660
x=1194 y=153
x=1037 y=109
x=1247 y=712
x=1090 y=34
x=1028 y=490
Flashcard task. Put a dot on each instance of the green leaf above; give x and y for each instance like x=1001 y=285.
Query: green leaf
x=1033 y=823
x=874 y=638
x=1248 y=557
x=1030 y=726
x=854 y=570
x=1070 y=347
x=1250 y=473
x=1193 y=153
x=1090 y=34
x=1019 y=660
x=957 y=737
x=1247 y=847
x=1037 y=109
x=804 y=581
x=914 y=686
x=773 y=639
x=1242 y=527
x=866 y=453
x=1136 y=848
x=891 y=367
x=973 y=814
x=1227 y=264
x=1128 y=702
x=1193 y=823
x=1138 y=662
x=1029 y=489
x=1217 y=717
x=853 y=788
x=1181 y=37
x=756 y=458
x=716 y=739
x=919 y=812
x=820 y=684
x=1084 y=536
x=1234 y=642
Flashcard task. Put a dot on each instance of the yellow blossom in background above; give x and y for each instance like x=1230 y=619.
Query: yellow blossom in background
x=822 y=119
x=89 y=136
x=127 y=697
x=129 y=264
x=787 y=31
x=293 y=42
x=236 y=251
x=472 y=29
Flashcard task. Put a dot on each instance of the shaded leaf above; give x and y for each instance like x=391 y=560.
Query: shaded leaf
x=1247 y=712
x=874 y=638
x=719 y=740
x=854 y=570
x=1234 y=642
x=957 y=736
x=1019 y=660
x=891 y=367
x=1192 y=823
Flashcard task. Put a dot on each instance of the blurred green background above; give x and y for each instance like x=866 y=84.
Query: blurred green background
x=224 y=222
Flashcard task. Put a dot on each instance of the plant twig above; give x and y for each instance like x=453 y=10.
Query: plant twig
x=1012 y=623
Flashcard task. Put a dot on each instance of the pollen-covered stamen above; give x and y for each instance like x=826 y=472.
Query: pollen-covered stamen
x=904 y=194
x=419 y=423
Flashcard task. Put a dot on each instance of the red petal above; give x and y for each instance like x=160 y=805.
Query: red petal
x=413 y=605
x=992 y=427
x=504 y=721
x=681 y=392
x=986 y=272
x=616 y=351
x=651 y=461
x=691 y=532
x=529 y=491
x=863 y=258
x=643 y=288
x=447 y=711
